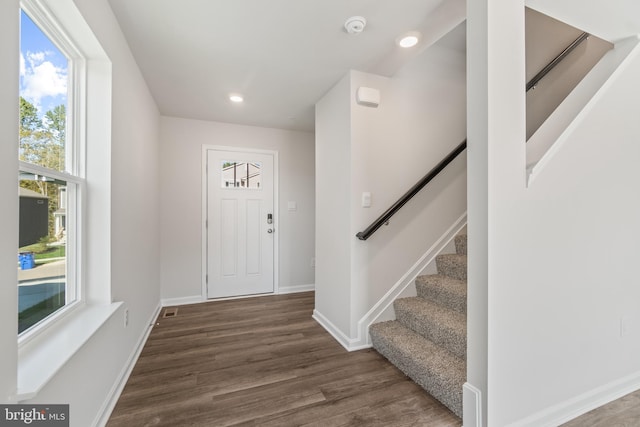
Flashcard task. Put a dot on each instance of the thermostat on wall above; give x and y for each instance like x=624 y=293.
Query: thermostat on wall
x=368 y=96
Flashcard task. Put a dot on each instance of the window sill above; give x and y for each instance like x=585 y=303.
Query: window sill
x=43 y=357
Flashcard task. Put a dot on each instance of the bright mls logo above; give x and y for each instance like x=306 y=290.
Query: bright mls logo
x=34 y=415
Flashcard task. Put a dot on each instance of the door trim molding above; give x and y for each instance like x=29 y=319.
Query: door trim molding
x=276 y=212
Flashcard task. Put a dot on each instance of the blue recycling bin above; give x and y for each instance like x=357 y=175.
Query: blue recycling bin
x=27 y=260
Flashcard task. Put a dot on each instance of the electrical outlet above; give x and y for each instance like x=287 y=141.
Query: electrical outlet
x=126 y=317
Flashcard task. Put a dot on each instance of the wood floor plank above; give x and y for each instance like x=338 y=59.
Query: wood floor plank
x=623 y=412
x=265 y=362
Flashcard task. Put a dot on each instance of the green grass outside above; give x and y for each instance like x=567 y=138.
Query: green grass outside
x=54 y=252
x=43 y=252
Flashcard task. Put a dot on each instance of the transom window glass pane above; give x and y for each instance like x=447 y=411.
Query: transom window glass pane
x=43 y=99
x=42 y=254
x=241 y=175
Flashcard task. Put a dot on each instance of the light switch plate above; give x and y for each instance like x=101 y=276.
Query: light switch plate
x=366 y=199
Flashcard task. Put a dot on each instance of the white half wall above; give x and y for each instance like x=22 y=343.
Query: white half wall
x=181 y=188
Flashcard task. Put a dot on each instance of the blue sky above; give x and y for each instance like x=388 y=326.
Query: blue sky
x=43 y=68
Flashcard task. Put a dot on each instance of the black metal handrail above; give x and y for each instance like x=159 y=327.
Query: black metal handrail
x=551 y=65
x=384 y=218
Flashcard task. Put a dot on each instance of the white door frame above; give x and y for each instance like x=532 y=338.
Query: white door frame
x=276 y=214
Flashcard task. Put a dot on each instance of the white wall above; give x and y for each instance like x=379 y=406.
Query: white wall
x=9 y=39
x=181 y=231
x=333 y=206
x=476 y=388
x=420 y=119
x=578 y=264
x=87 y=380
x=546 y=305
x=496 y=167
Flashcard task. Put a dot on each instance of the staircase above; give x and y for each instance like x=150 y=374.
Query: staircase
x=428 y=341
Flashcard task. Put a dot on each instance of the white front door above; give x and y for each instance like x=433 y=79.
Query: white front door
x=240 y=223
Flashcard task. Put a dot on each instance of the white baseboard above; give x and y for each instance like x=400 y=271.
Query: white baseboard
x=581 y=404
x=348 y=343
x=116 y=390
x=194 y=299
x=296 y=289
x=364 y=340
x=472 y=406
x=197 y=299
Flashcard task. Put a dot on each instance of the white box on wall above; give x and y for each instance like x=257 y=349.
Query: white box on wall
x=367 y=96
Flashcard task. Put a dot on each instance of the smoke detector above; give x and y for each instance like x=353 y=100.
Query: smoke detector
x=355 y=24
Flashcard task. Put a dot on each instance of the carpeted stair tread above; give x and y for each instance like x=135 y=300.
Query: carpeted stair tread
x=443 y=290
x=452 y=265
x=436 y=370
x=461 y=244
x=442 y=326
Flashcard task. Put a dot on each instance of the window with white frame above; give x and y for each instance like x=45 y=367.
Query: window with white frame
x=51 y=179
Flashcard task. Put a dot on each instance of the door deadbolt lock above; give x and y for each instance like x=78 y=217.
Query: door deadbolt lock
x=269 y=219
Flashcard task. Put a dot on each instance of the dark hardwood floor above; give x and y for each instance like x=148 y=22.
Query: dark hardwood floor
x=623 y=412
x=265 y=362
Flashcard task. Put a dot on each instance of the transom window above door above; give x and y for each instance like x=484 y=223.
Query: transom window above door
x=241 y=174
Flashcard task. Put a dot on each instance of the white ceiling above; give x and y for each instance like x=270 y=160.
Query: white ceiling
x=282 y=55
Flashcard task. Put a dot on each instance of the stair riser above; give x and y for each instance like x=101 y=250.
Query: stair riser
x=431 y=290
x=452 y=340
x=461 y=244
x=445 y=390
x=455 y=267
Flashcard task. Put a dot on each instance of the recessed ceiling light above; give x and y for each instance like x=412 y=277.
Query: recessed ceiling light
x=408 y=40
x=236 y=98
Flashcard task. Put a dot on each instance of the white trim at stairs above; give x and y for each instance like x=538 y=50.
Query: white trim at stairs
x=472 y=406
x=348 y=343
x=364 y=340
x=579 y=405
x=116 y=390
